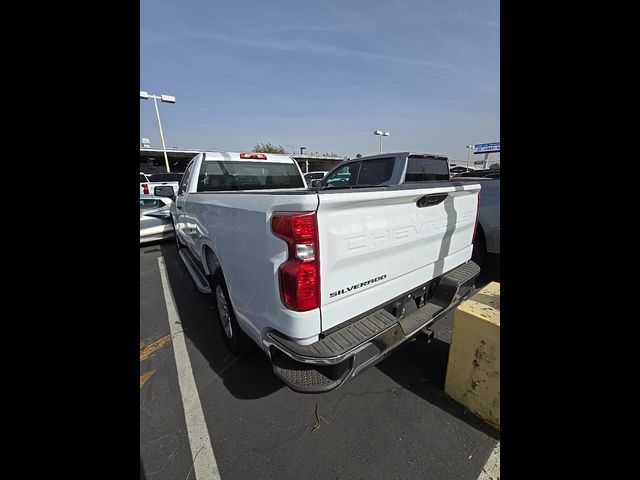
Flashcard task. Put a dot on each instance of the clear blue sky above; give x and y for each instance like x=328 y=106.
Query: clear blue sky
x=322 y=74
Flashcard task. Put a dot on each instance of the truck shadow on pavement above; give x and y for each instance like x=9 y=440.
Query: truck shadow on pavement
x=490 y=271
x=420 y=367
x=248 y=376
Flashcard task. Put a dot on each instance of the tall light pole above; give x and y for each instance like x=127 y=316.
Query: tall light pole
x=469 y=147
x=306 y=162
x=166 y=99
x=381 y=134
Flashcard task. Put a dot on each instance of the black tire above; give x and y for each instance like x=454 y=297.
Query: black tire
x=234 y=338
x=479 y=248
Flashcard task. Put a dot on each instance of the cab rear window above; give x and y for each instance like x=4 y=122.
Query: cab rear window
x=426 y=169
x=217 y=176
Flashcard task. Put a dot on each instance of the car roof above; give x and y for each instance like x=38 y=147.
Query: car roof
x=393 y=154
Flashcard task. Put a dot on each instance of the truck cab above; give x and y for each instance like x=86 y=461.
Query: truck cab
x=388 y=169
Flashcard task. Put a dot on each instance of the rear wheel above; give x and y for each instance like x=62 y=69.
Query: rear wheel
x=234 y=338
x=479 y=248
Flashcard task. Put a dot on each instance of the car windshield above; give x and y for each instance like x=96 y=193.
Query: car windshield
x=166 y=177
x=218 y=176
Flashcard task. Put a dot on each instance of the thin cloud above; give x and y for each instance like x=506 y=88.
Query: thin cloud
x=324 y=49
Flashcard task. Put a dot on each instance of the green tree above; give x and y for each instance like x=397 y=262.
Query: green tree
x=268 y=148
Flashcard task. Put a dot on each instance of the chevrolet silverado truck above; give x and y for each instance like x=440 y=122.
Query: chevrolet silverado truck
x=326 y=281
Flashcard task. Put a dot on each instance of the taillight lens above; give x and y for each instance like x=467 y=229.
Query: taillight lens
x=145 y=189
x=299 y=276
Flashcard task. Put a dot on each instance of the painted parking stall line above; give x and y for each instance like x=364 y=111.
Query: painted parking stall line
x=204 y=462
x=491 y=470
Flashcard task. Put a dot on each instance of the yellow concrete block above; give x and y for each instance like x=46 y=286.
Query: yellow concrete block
x=473 y=371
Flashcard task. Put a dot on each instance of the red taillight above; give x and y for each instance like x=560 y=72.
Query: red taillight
x=299 y=276
x=145 y=189
x=254 y=156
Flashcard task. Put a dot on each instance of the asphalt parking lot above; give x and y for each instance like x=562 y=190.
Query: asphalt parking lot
x=392 y=421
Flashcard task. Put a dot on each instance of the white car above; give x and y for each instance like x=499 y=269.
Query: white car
x=327 y=281
x=144 y=184
x=155 y=218
x=162 y=184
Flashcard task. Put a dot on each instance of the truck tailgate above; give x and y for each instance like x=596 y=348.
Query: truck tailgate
x=376 y=245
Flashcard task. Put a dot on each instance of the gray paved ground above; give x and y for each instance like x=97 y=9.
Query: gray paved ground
x=393 y=421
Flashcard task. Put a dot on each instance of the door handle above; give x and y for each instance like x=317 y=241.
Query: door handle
x=431 y=199
x=178 y=207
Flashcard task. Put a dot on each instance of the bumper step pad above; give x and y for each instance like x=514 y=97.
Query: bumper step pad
x=343 y=340
x=306 y=378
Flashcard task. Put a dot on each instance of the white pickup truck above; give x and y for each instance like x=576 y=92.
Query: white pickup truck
x=327 y=281
x=162 y=184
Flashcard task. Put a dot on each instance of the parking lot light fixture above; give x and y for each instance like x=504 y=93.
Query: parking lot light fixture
x=165 y=99
x=469 y=147
x=381 y=134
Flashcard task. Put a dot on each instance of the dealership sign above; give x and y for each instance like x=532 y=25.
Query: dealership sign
x=486 y=147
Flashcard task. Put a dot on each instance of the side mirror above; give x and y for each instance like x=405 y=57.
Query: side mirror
x=164 y=191
x=315 y=183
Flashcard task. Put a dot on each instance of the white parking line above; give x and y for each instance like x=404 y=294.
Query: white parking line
x=491 y=470
x=204 y=462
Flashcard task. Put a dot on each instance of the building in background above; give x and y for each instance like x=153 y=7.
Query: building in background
x=458 y=166
x=152 y=160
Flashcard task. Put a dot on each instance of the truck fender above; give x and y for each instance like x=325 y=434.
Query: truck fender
x=207 y=245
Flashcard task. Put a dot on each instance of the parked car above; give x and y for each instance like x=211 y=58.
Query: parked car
x=155 y=218
x=163 y=184
x=314 y=176
x=487 y=238
x=144 y=184
x=161 y=181
x=387 y=169
x=327 y=281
